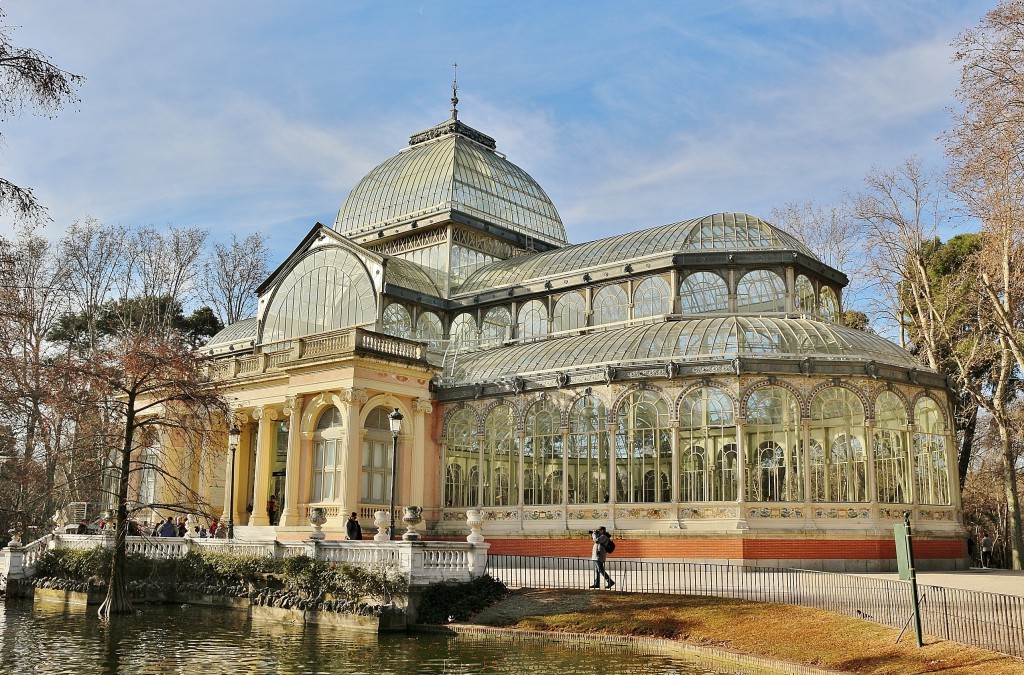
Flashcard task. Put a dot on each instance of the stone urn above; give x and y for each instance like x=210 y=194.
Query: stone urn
x=317 y=518
x=413 y=517
x=475 y=520
x=15 y=534
x=382 y=520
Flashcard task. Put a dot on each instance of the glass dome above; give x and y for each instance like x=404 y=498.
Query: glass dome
x=717 y=232
x=450 y=169
x=692 y=340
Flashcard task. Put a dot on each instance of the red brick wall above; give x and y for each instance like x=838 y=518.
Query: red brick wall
x=747 y=549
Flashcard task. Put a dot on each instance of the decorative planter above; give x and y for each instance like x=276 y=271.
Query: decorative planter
x=317 y=518
x=413 y=517
x=474 y=518
x=381 y=520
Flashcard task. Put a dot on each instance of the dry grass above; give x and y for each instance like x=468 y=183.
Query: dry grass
x=786 y=632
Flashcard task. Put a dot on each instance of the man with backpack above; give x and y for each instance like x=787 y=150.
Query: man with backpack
x=602 y=540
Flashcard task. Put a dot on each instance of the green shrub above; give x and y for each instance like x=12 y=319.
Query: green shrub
x=457 y=601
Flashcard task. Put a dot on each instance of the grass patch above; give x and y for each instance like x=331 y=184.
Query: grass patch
x=786 y=632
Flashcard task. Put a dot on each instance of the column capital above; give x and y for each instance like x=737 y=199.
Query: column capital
x=267 y=412
x=422 y=405
x=353 y=395
x=240 y=415
x=292 y=404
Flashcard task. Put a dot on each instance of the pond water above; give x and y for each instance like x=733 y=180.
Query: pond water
x=44 y=638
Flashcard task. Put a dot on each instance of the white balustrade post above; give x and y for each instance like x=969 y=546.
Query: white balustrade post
x=476 y=559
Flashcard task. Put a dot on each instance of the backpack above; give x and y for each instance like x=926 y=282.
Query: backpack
x=610 y=546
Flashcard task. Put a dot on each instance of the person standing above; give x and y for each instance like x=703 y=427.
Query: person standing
x=272 y=510
x=599 y=555
x=353 y=530
x=168 y=529
x=986 y=552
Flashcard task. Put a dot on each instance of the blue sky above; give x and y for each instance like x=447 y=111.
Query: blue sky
x=239 y=116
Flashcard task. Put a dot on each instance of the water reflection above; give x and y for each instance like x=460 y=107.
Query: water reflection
x=171 y=639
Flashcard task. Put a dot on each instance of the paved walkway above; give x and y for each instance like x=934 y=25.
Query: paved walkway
x=1006 y=582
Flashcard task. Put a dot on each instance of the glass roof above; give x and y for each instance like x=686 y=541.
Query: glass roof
x=239 y=331
x=684 y=340
x=450 y=172
x=721 y=232
x=408 y=274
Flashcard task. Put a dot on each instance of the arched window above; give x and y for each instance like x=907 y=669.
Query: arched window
x=703 y=293
x=501 y=457
x=570 y=312
x=375 y=468
x=497 y=327
x=542 y=452
x=326 y=290
x=588 y=450
x=774 y=464
x=837 y=427
x=930 y=466
x=328 y=463
x=652 y=297
x=707 y=446
x=397 y=321
x=892 y=452
x=463 y=331
x=429 y=330
x=149 y=465
x=804 y=296
x=533 y=320
x=461 y=458
x=761 y=292
x=828 y=304
x=610 y=305
x=643 y=444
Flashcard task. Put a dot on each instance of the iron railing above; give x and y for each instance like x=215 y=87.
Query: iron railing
x=988 y=620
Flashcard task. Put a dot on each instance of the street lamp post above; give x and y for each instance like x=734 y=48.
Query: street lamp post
x=395 y=420
x=234 y=435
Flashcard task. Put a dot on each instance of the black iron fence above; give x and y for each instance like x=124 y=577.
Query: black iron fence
x=989 y=620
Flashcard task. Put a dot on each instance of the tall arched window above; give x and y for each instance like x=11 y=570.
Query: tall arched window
x=892 y=452
x=588 y=451
x=328 y=463
x=397 y=321
x=149 y=469
x=774 y=465
x=707 y=446
x=828 y=304
x=501 y=460
x=652 y=297
x=570 y=312
x=429 y=330
x=839 y=471
x=497 y=326
x=703 y=293
x=461 y=459
x=378 y=446
x=930 y=466
x=610 y=305
x=533 y=320
x=761 y=292
x=804 y=295
x=542 y=453
x=463 y=331
x=643 y=444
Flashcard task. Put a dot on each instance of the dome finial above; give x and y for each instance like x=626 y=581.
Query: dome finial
x=455 y=92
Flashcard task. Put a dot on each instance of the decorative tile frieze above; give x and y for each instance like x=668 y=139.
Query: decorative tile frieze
x=709 y=512
x=842 y=514
x=588 y=514
x=643 y=513
x=777 y=512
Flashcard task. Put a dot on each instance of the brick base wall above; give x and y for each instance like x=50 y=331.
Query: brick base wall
x=736 y=549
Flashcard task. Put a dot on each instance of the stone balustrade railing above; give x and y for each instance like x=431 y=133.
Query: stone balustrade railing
x=424 y=562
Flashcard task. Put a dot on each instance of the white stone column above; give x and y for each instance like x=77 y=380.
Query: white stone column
x=264 y=458
x=871 y=479
x=290 y=515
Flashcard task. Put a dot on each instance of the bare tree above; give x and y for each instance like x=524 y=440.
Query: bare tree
x=94 y=254
x=231 y=274
x=29 y=80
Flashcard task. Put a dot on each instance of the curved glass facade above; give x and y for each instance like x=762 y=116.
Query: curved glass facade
x=326 y=290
